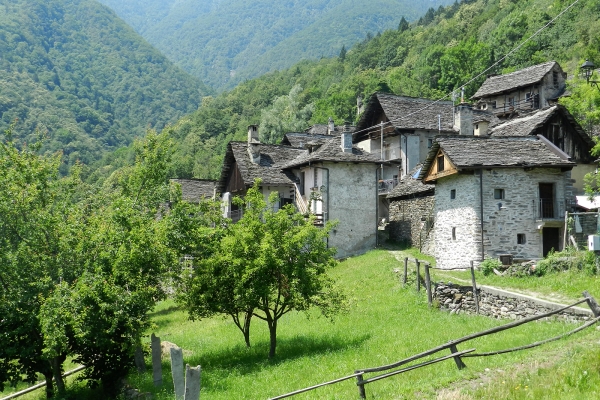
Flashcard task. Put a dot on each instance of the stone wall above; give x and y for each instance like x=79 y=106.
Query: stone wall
x=589 y=225
x=504 y=220
x=409 y=219
x=459 y=299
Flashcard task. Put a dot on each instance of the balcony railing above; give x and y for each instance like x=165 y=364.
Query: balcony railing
x=386 y=185
x=532 y=103
x=550 y=209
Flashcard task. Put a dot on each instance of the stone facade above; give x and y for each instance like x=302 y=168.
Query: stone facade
x=411 y=220
x=459 y=299
x=512 y=223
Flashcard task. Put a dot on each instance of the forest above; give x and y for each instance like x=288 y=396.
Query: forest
x=75 y=71
x=428 y=58
x=225 y=42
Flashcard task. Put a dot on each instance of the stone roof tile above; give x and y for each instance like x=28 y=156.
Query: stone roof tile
x=193 y=190
x=508 y=82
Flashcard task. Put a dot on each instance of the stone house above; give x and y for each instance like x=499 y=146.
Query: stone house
x=412 y=212
x=245 y=162
x=497 y=196
x=525 y=90
x=328 y=177
x=556 y=124
x=194 y=190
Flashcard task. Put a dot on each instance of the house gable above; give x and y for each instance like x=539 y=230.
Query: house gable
x=441 y=166
x=235 y=181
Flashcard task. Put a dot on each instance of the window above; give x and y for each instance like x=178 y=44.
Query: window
x=429 y=143
x=494 y=104
x=440 y=163
x=528 y=96
x=498 y=194
x=511 y=101
x=520 y=238
x=453 y=233
x=302 y=182
x=555 y=78
x=315 y=178
x=453 y=194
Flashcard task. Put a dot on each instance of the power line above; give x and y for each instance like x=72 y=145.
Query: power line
x=480 y=74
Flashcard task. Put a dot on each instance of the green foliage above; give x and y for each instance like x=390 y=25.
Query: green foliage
x=562 y=261
x=285 y=115
x=266 y=265
x=75 y=71
x=487 y=266
x=225 y=57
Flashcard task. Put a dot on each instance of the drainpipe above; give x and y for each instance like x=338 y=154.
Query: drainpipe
x=327 y=203
x=481 y=208
x=377 y=207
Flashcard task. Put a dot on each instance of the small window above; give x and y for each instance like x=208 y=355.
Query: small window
x=429 y=143
x=495 y=104
x=511 y=101
x=498 y=194
x=520 y=238
x=440 y=163
x=528 y=96
x=453 y=194
x=453 y=233
x=555 y=78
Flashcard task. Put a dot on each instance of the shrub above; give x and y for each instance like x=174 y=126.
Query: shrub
x=488 y=265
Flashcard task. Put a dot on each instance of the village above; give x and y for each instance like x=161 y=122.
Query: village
x=491 y=177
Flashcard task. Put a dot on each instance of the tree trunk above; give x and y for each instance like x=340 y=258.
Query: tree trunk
x=57 y=372
x=273 y=335
x=49 y=384
x=246 y=329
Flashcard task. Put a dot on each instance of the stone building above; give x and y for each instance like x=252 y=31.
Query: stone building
x=194 y=190
x=496 y=196
x=531 y=88
x=412 y=213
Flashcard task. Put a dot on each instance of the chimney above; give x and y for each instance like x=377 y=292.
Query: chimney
x=253 y=144
x=253 y=134
x=463 y=119
x=346 y=138
x=331 y=127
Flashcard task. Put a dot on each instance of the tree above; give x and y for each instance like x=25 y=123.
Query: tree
x=343 y=52
x=403 y=25
x=270 y=263
x=285 y=115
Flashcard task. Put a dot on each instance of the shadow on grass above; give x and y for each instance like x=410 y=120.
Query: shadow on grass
x=166 y=311
x=240 y=360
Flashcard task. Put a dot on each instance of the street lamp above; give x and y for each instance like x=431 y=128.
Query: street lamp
x=587 y=70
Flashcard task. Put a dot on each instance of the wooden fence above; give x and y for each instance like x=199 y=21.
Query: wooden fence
x=455 y=354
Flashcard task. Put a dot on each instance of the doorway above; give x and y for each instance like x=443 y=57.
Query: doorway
x=551 y=240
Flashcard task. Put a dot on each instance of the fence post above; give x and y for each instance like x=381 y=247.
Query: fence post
x=592 y=303
x=459 y=363
x=418 y=275
x=405 y=271
x=156 y=361
x=475 y=296
x=428 y=285
x=177 y=372
x=192 y=383
x=361 y=386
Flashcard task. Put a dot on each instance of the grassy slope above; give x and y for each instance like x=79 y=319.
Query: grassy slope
x=385 y=323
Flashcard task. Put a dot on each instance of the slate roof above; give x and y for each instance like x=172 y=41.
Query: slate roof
x=193 y=190
x=323 y=129
x=332 y=151
x=528 y=124
x=470 y=152
x=409 y=187
x=508 y=82
x=272 y=157
x=407 y=113
x=301 y=139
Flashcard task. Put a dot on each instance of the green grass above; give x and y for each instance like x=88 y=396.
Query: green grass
x=385 y=323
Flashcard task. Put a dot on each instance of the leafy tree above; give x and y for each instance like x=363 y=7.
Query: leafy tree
x=343 y=52
x=269 y=263
x=287 y=114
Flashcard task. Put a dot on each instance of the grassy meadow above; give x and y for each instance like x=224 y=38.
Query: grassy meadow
x=385 y=323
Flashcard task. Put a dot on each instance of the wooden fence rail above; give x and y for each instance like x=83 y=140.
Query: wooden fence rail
x=455 y=353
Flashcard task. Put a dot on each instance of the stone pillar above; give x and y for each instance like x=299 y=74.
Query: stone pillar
x=156 y=361
x=177 y=372
x=192 y=383
x=139 y=360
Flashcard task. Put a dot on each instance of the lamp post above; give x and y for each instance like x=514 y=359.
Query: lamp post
x=587 y=70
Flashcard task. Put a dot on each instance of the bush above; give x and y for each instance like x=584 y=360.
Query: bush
x=488 y=265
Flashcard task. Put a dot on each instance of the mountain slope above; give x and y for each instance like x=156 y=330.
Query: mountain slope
x=428 y=59
x=225 y=42
x=75 y=69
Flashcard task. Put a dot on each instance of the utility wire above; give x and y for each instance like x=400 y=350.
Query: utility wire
x=480 y=74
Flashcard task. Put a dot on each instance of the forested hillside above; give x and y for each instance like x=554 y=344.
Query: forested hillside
x=225 y=42
x=429 y=58
x=75 y=70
